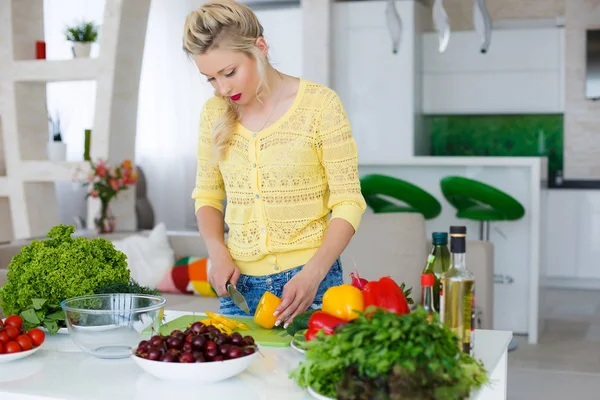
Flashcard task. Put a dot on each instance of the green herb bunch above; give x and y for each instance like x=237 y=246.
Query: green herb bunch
x=49 y=271
x=382 y=355
x=83 y=32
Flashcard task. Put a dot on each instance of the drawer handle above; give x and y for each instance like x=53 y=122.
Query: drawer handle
x=503 y=279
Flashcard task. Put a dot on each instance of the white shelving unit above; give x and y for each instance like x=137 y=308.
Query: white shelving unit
x=27 y=178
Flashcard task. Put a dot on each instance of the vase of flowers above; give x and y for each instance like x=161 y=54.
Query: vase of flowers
x=104 y=183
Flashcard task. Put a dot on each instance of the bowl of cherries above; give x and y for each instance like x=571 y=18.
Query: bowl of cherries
x=15 y=341
x=201 y=354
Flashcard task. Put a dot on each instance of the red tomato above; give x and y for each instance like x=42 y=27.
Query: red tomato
x=4 y=337
x=37 y=336
x=12 y=332
x=13 y=347
x=14 y=320
x=25 y=342
x=1 y=348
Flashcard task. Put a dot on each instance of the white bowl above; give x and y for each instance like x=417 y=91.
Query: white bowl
x=207 y=372
x=295 y=346
x=316 y=395
x=4 y=358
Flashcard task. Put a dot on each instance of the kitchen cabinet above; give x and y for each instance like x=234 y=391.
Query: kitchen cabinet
x=522 y=72
x=379 y=89
x=571 y=245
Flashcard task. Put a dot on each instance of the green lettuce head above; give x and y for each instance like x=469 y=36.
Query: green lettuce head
x=60 y=268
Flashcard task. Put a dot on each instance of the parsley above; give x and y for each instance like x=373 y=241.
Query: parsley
x=389 y=356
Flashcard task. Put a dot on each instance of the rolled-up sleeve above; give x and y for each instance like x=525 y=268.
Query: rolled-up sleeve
x=210 y=189
x=339 y=158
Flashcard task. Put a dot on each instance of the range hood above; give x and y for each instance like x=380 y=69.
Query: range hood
x=262 y=4
x=592 y=69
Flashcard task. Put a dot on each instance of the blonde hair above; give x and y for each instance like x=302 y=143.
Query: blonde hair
x=225 y=24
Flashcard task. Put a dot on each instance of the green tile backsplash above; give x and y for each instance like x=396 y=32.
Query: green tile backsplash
x=498 y=135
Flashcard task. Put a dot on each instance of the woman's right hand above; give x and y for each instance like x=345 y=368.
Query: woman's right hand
x=220 y=272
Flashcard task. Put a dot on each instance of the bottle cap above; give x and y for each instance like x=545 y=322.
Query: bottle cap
x=440 y=238
x=458 y=230
x=427 y=280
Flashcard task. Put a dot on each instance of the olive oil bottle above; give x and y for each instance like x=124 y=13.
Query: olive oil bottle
x=457 y=293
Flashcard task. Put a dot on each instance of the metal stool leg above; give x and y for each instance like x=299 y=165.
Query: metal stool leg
x=484 y=235
x=484 y=231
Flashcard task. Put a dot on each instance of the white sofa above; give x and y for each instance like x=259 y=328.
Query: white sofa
x=385 y=244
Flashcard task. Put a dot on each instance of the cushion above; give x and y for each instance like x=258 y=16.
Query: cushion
x=148 y=257
x=189 y=275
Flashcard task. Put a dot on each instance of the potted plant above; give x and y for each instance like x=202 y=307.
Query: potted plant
x=57 y=149
x=104 y=183
x=82 y=35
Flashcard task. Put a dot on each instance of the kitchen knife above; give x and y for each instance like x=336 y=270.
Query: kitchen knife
x=237 y=297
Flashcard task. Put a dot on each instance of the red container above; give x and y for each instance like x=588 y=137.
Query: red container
x=40 y=50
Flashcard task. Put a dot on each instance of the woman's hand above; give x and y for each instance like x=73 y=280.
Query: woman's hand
x=223 y=270
x=298 y=294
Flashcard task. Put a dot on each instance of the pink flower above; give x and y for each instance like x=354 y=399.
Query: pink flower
x=114 y=184
x=101 y=168
x=94 y=193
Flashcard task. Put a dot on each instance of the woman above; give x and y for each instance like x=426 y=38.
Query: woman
x=280 y=149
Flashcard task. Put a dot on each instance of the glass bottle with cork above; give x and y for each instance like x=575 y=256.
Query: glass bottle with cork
x=438 y=262
x=457 y=297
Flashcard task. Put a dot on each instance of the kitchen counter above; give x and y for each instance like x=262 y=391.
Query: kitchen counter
x=60 y=371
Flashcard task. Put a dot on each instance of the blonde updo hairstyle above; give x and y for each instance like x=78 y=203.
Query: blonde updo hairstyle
x=226 y=24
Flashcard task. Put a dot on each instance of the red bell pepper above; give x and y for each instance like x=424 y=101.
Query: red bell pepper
x=386 y=294
x=322 y=321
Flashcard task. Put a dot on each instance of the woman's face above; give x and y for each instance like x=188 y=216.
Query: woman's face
x=233 y=74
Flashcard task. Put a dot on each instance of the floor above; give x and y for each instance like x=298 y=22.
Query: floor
x=566 y=361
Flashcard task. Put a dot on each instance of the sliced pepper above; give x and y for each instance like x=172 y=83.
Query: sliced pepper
x=230 y=323
x=267 y=305
x=343 y=301
x=322 y=321
x=385 y=293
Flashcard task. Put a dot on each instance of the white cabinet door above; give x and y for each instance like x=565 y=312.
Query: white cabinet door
x=376 y=86
x=561 y=232
x=587 y=245
x=521 y=73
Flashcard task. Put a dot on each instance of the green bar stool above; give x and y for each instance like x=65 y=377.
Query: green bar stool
x=374 y=186
x=478 y=201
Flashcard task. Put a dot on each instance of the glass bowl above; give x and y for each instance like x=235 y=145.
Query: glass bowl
x=111 y=325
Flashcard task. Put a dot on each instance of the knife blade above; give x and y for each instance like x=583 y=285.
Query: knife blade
x=237 y=297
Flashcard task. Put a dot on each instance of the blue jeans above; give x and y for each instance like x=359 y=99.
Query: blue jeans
x=253 y=287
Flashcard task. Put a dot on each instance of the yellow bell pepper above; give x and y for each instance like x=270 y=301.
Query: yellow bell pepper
x=229 y=323
x=343 y=302
x=265 y=309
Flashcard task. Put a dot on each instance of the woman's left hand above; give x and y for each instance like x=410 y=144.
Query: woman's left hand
x=298 y=294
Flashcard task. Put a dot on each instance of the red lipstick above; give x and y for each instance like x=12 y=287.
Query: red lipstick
x=236 y=97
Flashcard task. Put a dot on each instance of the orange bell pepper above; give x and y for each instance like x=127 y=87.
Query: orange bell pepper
x=267 y=305
x=343 y=302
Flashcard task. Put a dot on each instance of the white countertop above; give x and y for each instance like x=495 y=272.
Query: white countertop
x=464 y=161
x=60 y=371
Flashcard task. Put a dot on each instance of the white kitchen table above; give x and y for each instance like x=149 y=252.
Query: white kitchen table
x=59 y=370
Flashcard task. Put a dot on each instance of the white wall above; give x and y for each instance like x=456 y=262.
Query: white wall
x=171 y=95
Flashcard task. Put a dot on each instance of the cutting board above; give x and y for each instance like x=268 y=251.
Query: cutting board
x=276 y=337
